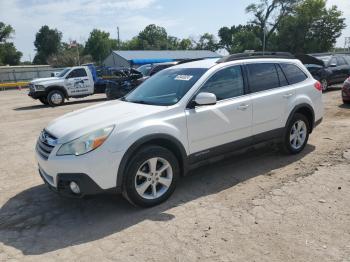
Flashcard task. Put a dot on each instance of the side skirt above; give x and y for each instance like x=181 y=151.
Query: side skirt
x=218 y=153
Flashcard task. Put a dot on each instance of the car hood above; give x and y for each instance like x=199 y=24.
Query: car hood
x=43 y=81
x=83 y=121
x=308 y=59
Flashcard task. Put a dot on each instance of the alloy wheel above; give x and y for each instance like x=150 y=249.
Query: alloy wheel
x=153 y=178
x=298 y=134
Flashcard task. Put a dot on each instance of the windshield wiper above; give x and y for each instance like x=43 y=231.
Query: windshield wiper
x=139 y=102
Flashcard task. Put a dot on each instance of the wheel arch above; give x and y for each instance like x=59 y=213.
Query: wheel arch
x=60 y=88
x=307 y=111
x=164 y=140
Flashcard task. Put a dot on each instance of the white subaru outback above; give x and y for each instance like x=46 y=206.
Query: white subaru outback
x=178 y=119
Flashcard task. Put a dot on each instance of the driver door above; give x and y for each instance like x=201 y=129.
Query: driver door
x=227 y=125
x=77 y=82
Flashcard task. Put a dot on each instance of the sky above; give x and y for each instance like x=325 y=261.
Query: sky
x=76 y=18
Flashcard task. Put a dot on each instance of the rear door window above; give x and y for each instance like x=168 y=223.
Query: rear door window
x=293 y=73
x=262 y=76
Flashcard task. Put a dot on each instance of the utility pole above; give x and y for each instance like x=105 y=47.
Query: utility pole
x=264 y=41
x=118 y=38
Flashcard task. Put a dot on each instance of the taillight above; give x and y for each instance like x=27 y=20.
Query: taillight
x=318 y=86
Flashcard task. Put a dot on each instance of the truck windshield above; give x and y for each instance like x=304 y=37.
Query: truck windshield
x=63 y=72
x=167 y=87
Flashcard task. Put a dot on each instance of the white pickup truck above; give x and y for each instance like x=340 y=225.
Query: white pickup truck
x=73 y=82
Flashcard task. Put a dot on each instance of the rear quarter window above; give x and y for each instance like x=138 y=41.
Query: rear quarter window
x=293 y=73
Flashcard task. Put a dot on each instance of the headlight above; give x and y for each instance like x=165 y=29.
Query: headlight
x=85 y=143
x=39 y=87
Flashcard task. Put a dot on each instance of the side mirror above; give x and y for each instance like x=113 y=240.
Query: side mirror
x=204 y=98
x=333 y=65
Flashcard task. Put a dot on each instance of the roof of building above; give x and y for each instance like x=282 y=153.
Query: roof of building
x=166 y=54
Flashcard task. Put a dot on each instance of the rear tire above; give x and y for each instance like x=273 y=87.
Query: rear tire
x=43 y=100
x=55 y=98
x=296 y=134
x=324 y=84
x=151 y=176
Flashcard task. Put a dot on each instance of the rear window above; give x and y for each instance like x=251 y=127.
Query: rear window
x=262 y=76
x=293 y=73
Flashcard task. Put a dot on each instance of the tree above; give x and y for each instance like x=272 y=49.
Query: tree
x=5 y=32
x=268 y=15
x=68 y=56
x=311 y=28
x=47 y=42
x=9 y=55
x=99 y=45
x=239 y=38
x=186 y=44
x=207 y=42
x=153 y=37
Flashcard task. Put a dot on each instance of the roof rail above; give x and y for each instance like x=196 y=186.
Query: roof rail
x=254 y=55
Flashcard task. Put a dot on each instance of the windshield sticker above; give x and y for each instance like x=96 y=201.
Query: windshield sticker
x=183 y=77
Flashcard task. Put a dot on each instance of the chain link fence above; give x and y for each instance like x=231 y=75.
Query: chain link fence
x=25 y=73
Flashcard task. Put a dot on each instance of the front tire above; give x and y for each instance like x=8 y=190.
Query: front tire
x=151 y=176
x=296 y=134
x=55 y=98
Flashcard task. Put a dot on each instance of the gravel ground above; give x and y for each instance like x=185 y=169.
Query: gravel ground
x=258 y=206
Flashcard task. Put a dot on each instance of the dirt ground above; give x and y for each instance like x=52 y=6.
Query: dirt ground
x=259 y=206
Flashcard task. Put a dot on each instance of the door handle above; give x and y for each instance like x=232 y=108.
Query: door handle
x=243 y=107
x=288 y=95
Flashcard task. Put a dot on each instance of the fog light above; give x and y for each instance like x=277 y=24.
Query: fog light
x=74 y=187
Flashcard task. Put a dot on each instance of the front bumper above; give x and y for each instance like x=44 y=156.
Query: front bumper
x=36 y=94
x=86 y=185
x=95 y=172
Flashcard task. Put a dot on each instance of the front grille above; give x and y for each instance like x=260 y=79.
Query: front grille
x=45 y=144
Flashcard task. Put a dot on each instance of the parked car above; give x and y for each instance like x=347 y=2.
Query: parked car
x=346 y=91
x=177 y=120
x=336 y=69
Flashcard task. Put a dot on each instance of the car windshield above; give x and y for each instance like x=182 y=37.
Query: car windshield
x=145 y=69
x=63 y=72
x=167 y=87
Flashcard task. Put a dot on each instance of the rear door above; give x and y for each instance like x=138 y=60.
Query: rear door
x=78 y=83
x=271 y=97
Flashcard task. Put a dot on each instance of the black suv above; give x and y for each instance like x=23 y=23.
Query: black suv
x=334 y=69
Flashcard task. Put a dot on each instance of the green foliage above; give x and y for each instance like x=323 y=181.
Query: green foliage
x=267 y=16
x=239 y=38
x=5 y=32
x=9 y=55
x=153 y=38
x=47 y=42
x=68 y=56
x=311 y=28
x=99 y=45
x=207 y=42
